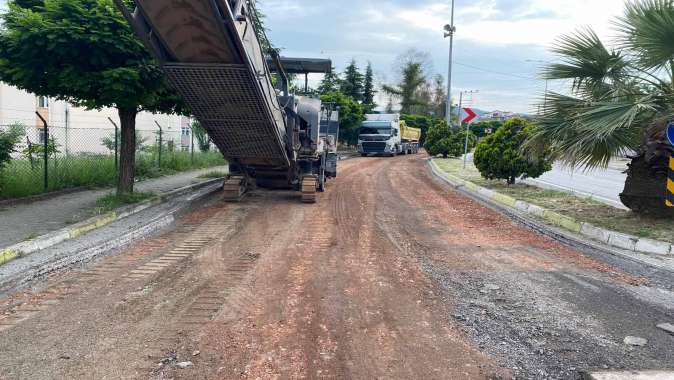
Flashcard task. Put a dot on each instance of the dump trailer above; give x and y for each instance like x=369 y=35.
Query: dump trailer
x=387 y=134
x=410 y=138
x=212 y=55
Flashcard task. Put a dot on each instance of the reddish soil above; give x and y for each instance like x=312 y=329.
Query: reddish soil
x=272 y=288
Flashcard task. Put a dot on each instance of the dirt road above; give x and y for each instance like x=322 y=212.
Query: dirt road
x=389 y=275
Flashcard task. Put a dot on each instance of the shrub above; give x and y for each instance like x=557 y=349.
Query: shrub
x=8 y=141
x=500 y=155
x=109 y=142
x=479 y=129
x=449 y=142
x=436 y=133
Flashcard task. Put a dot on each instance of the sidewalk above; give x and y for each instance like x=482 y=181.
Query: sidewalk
x=24 y=221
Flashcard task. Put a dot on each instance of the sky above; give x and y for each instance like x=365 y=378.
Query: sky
x=498 y=46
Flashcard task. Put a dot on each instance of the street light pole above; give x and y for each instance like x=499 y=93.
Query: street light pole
x=450 y=29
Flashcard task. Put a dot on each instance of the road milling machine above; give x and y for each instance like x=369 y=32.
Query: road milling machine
x=212 y=55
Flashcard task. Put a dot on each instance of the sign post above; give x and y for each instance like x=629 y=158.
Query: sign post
x=670 y=174
x=471 y=115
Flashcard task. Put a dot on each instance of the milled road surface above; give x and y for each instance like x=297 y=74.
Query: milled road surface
x=389 y=275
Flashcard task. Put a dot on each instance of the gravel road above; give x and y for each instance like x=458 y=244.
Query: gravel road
x=390 y=275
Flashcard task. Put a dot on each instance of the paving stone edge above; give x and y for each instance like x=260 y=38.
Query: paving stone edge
x=37 y=244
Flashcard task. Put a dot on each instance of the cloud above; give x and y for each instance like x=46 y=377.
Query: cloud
x=493 y=36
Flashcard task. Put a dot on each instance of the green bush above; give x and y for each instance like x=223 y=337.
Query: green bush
x=447 y=141
x=479 y=129
x=8 y=141
x=500 y=155
x=23 y=179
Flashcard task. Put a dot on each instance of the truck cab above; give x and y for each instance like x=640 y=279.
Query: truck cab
x=386 y=134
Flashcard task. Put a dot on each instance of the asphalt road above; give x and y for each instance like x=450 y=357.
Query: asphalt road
x=389 y=275
x=604 y=185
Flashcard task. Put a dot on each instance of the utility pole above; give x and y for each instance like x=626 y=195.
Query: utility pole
x=67 y=120
x=547 y=82
x=450 y=29
x=161 y=143
x=116 y=142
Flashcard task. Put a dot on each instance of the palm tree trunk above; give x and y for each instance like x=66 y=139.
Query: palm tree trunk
x=646 y=185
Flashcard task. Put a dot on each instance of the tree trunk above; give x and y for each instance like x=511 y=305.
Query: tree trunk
x=646 y=185
x=127 y=155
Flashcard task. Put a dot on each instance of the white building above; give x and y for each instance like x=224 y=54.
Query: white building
x=77 y=130
x=498 y=116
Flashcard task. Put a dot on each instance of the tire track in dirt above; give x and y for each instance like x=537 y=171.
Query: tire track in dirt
x=538 y=307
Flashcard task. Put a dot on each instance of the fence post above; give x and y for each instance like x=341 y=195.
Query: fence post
x=46 y=152
x=160 y=142
x=116 y=142
x=192 y=142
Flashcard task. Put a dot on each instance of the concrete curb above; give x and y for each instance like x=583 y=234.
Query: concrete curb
x=18 y=274
x=45 y=241
x=587 y=230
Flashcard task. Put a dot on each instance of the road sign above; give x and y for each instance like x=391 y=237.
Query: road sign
x=670 y=133
x=471 y=115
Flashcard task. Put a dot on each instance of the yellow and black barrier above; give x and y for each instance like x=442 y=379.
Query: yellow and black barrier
x=670 y=183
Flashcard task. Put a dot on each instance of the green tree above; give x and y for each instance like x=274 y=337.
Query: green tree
x=8 y=141
x=619 y=102
x=109 y=141
x=438 y=131
x=34 y=152
x=83 y=52
x=447 y=141
x=352 y=84
x=479 y=129
x=258 y=19
x=369 y=90
x=389 y=105
x=330 y=83
x=203 y=140
x=439 y=107
x=351 y=116
x=500 y=155
x=409 y=91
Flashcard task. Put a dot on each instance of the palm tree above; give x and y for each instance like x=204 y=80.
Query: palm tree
x=620 y=102
x=409 y=88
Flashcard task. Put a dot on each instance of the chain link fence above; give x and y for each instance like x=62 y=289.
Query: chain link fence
x=57 y=158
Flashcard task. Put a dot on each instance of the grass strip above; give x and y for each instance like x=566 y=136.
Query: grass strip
x=580 y=208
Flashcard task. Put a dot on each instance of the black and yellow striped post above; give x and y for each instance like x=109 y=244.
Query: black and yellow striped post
x=670 y=173
x=670 y=183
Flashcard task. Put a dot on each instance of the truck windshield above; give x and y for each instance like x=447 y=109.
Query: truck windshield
x=376 y=130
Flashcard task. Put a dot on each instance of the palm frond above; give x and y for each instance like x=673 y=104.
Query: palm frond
x=587 y=133
x=647 y=31
x=586 y=61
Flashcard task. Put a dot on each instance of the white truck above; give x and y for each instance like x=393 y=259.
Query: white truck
x=386 y=134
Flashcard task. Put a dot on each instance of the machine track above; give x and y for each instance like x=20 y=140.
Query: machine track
x=234 y=188
x=309 y=187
